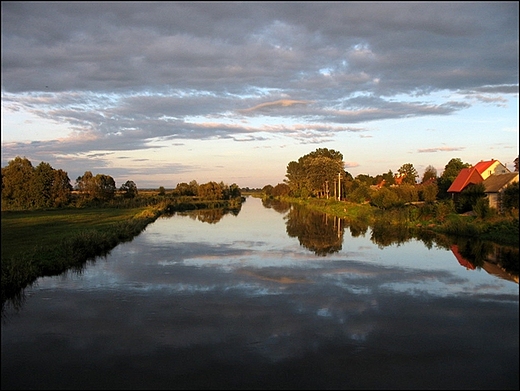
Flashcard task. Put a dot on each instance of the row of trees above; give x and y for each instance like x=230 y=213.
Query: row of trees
x=210 y=191
x=27 y=187
x=321 y=174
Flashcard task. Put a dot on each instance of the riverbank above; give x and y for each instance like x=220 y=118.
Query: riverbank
x=437 y=218
x=48 y=242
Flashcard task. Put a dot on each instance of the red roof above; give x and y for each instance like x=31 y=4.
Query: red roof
x=463 y=261
x=466 y=176
x=484 y=165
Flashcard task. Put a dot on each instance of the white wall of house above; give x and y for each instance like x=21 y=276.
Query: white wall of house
x=495 y=169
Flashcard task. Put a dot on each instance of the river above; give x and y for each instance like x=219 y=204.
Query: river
x=270 y=297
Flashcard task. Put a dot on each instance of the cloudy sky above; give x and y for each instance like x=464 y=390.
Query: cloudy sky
x=168 y=92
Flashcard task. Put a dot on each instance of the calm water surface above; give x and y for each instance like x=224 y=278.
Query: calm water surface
x=256 y=301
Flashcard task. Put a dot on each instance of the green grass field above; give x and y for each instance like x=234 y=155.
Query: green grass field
x=25 y=230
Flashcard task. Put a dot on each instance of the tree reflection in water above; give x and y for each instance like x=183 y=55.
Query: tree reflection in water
x=210 y=216
x=323 y=235
x=277 y=205
x=317 y=232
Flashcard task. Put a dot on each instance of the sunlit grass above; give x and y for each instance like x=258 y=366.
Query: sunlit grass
x=26 y=230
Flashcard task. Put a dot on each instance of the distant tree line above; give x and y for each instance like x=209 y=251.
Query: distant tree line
x=27 y=187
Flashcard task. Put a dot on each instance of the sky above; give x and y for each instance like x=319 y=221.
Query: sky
x=162 y=93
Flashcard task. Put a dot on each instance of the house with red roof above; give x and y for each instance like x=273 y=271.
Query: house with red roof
x=493 y=174
x=490 y=167
x=494 y=185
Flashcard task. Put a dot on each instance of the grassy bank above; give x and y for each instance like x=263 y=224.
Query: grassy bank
x=42 y=243
x=49 y=242
x=498 y=229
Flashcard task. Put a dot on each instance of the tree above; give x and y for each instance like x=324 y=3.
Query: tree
x=129 y=189
x=101 y=187
x=61 y=188
x=184 y=189
x=385 y=198
x=469 y=196
x=430 y=173
x=510 y=197
x=52 y=187
x=296 y=177
x=429 y=192
x=451 y=170
x=25 y=186
x=105 y=187
x=194 y=186
x=268 y=190
x=387 y=179
x=360 y=192
x=315 y=173
x=407 y=193
x=43 y=180
x=86 y=185
x=281 y=189
x=234 y=191
x=515 y=162
x=366 y=179
x=409 y=172
x=210 y=191
x=17 y=183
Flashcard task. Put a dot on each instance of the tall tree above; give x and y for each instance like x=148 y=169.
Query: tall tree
x=297 y=178
x=86 y=185
x=43 y=185
x=315 y=173
x=105 y=187
x=61 y=188
x=17 y=184
x=100 y=187
x=430 y=173
x=451 y=170
x=409 y=172
x=129 y=189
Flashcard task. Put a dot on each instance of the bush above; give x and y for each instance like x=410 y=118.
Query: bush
x=385 y=199
x=481 y=208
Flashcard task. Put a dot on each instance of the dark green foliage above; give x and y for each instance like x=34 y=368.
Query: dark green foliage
x=428 y=192
x=481 y=208
x=96 y=188
x=316 y=174
x=430 y=174
x=313 y=232
x=451 y=170
x=366 y=179
x=26 y=187
x=510 y=197
x=385 y=198
x=129 y=189
x=360 y=192
x=407 y=193
x=469 y=196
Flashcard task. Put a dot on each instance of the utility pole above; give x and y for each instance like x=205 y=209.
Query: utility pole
x=339 y=186
x=327 y=188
